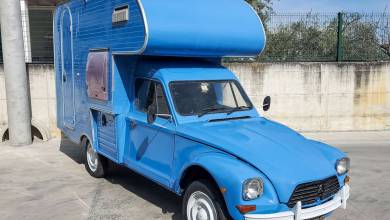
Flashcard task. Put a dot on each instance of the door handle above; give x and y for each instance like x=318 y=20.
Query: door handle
x=63 y=77
x=133 y=124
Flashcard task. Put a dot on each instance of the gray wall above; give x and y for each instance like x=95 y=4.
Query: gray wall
x=321 y=96
x=43 y=101
x=305 y=96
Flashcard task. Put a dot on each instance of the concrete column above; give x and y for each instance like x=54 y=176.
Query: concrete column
x=16 y=80
x=26 y=30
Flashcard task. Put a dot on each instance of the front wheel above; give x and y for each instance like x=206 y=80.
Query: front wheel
x=94 y=163
x=202 y=202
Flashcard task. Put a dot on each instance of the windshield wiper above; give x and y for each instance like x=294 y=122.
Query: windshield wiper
x=238 y=109
x=209 y=110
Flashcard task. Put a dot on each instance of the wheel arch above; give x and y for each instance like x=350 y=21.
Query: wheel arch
x=193 y=173
x=229 y=173
x=84 y=140
x=197 y=172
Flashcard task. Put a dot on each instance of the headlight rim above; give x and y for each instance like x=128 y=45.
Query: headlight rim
x=347 y=168
x=245 y=187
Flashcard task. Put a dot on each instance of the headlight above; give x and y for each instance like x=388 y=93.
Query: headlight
x=342 y=165
x=252 y=189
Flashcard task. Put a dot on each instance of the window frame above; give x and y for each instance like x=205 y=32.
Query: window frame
x=242 y=91
x=103 y=94
x=163 y=90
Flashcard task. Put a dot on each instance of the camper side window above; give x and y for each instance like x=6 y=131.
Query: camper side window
x=97 y=75
x=147 y=93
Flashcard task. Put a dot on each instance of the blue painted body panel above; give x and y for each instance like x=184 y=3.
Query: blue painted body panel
x=184 y=28
x=106 y=133
x=185 y=49
x=259 y=142
x=153 y=146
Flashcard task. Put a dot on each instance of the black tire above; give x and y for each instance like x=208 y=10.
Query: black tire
x=208 y=188
x=99 y=170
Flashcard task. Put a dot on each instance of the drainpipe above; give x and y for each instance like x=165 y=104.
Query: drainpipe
x=16 y=80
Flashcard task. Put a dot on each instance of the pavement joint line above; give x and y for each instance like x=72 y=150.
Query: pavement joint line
x=98 y=191
x=81 y=201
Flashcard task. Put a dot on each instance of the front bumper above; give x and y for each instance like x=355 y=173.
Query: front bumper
x=297 y=213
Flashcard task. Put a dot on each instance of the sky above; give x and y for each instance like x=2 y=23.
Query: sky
x=331 y=5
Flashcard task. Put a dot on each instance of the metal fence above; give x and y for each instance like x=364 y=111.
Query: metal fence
x=301 y=37
x=290 y=37
x=327 y=37
x=38 y=35
x=41 y=29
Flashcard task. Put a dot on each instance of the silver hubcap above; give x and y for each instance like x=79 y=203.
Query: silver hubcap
x=92 y=158
x=200 y=207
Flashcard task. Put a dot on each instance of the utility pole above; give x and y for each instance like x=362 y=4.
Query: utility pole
x=16 y=80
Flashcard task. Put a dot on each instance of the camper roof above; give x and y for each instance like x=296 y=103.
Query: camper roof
x=203 y=28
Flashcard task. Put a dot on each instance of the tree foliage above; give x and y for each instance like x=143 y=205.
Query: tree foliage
x=314 y=38
x=365 y=37
x=302 y=40
x=263 y=8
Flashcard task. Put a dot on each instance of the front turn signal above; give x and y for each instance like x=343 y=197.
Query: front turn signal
x=246 y=208
x=347 y=180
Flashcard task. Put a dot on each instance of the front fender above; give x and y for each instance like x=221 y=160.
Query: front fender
x=230 y=173
x=332 y=154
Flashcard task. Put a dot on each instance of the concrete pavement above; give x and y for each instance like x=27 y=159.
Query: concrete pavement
x=370 y=172
x=48 y=181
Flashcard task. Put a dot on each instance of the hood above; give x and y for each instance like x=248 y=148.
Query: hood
x=284 y=156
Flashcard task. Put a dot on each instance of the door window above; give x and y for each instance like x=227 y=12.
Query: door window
x=149 y=93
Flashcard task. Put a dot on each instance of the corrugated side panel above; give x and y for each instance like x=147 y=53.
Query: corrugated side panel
x=106 y=134
x=93 y=28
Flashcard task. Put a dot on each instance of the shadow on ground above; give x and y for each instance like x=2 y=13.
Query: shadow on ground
x=71 y=149
x=142 y=187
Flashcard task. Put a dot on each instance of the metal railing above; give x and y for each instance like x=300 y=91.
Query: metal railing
x=326 y=37
x=41 y=29
x=322 y=37
x=38 y=36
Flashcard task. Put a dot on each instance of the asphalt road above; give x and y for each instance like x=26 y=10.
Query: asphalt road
x=48 y=181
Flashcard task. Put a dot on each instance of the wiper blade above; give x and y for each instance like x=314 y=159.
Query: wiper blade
x=209 y=110
x=238 y=109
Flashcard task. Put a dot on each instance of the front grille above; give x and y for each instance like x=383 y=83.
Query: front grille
x=309 y=193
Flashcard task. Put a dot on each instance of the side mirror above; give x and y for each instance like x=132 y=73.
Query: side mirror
x=151 y=115
x=266 y=103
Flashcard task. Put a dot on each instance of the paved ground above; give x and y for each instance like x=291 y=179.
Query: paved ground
x=47 y=181
x=370 y=173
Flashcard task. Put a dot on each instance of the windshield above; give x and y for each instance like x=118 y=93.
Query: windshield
x=206 y=97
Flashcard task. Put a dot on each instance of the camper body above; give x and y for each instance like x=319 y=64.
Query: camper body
x=140 y=83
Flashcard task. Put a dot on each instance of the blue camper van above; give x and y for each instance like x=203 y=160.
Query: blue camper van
x=140 y=83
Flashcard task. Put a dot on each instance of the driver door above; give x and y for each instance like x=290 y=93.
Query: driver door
x=152 y=143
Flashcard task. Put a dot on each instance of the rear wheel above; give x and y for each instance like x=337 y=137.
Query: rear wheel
x=202 y=201
x=95 y=164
